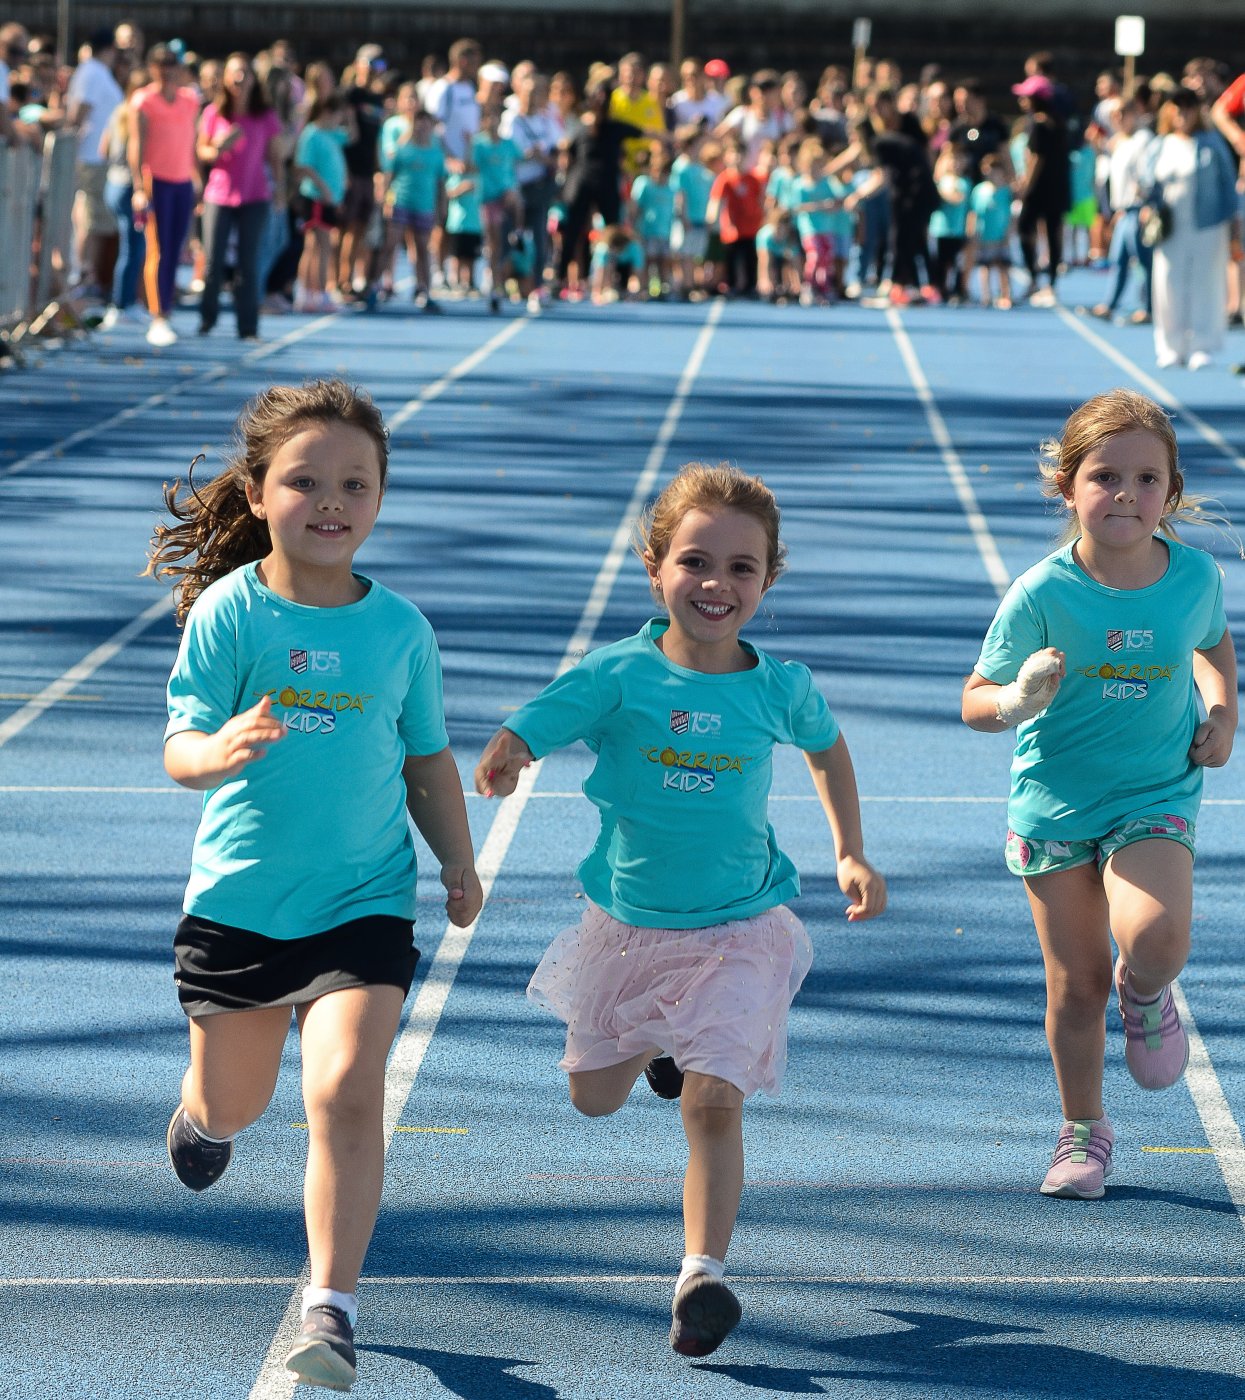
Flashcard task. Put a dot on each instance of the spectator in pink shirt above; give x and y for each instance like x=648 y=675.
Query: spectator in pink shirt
x=240 y=143
x=166 y=180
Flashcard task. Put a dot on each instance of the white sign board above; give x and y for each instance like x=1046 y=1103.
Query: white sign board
x=1130 y=36
x=862 y=32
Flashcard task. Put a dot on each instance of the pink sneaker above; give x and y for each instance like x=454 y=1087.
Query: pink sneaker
x=1082 y=1160
x=1156 y=1048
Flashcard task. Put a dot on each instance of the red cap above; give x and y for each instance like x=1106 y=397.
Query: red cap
x=717 y=68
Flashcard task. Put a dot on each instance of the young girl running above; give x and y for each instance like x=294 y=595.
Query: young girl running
x=694 y=961
x=306 y=705
x=1095 y=653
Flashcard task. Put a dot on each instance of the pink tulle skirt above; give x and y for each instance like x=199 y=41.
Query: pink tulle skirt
x=715 y=999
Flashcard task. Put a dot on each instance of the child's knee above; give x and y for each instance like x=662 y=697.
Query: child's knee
x=711 y=1104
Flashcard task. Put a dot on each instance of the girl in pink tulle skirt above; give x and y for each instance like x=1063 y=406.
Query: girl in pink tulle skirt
x=687 y=959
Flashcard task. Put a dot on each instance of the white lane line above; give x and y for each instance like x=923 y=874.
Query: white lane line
x=464 y=367
x=984 y=540
x=197 y=381
x=1222 y=1131
x=90 y=663
x=83 y=670
x=662 y=1280
x=274 y=1382
x=1152 y=386
x=168 y=790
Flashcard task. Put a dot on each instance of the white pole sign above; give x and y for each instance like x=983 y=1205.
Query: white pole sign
x=1130 y=36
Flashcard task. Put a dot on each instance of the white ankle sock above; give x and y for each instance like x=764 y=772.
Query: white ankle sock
x=699 y=1264
x=321 y=1297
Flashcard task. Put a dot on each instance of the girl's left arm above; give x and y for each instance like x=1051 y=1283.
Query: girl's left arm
x=835 y=781
x=434 y=798
x=1214 y=673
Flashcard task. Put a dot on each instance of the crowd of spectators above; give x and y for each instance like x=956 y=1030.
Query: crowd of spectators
x=297 y=186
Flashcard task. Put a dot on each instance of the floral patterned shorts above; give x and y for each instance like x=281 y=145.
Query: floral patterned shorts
x=1026 y=855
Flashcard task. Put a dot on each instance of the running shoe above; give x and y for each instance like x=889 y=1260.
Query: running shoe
x=198 y=1161
x=1156 y=1048
x=705 y=1314
x=1082 y=1160
x=664 y=1077
x=323 y=1351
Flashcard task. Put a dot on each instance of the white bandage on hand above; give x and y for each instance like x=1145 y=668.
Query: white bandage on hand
x=1031 y=691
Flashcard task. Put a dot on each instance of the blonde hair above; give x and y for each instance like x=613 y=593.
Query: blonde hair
x=1096 y=421
x=216 y=528
x=698 y=486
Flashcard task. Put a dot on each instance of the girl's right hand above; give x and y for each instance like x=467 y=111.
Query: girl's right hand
x=246 y=737
x=1034 y=687
x=504 y=758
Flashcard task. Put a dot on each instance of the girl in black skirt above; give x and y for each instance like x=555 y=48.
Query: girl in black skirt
x=306 y=705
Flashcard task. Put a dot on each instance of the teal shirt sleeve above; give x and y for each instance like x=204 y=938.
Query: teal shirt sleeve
x=568 y=708
x=1015 y=634
x=421 y=723
x=813 y=727
x=203 y=687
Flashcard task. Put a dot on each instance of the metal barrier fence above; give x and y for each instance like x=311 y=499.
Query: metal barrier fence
x=36 y=231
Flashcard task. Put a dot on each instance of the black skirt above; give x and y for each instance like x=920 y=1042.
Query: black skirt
x=221 y=968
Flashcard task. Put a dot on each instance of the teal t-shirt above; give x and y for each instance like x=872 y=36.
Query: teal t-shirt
x=315 y=833
x=418 y=174
x=322 y=150
x=804 y=190
x=949 y=219
x=654 y=206
x=992 y=205
x=682 y=777
x=778 y=186
x=1082 y=171
x=1114 y=742
x=497 y=165
x=693 y=181
x=463 y=212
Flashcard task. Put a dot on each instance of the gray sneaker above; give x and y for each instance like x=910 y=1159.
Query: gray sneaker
x=323 y=1352
x=197 y=1160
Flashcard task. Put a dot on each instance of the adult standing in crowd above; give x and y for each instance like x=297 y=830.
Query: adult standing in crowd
x=13 y=41
x=240 y=144
x=118 y=193
x=453 y=103
x=1044 y=186
x=632 y=102
x=1192 y=176
x=695 y=103
x=94 y=94
x=164 y=115
x=536 y=134
x=976 y=131
x=354 y=271
x=763 y=119
x=594 y=173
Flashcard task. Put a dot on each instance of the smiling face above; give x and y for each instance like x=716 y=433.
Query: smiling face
x=1121 y=489
x=711 y=580
x=320 y=497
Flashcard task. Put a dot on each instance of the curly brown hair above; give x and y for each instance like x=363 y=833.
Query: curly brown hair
x=217 y=531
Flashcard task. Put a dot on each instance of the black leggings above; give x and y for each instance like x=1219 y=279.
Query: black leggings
x=740 y=264
x=605 y=198
x=1051 y=218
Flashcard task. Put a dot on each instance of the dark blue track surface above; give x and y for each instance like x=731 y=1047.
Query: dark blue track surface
x=892 y=1241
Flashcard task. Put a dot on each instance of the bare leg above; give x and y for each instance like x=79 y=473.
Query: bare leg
x=346 y=1038
x=713 y=1121
x=1071 y=917
x=1149 y=886
x=597 y=1092
x=235 y=1057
